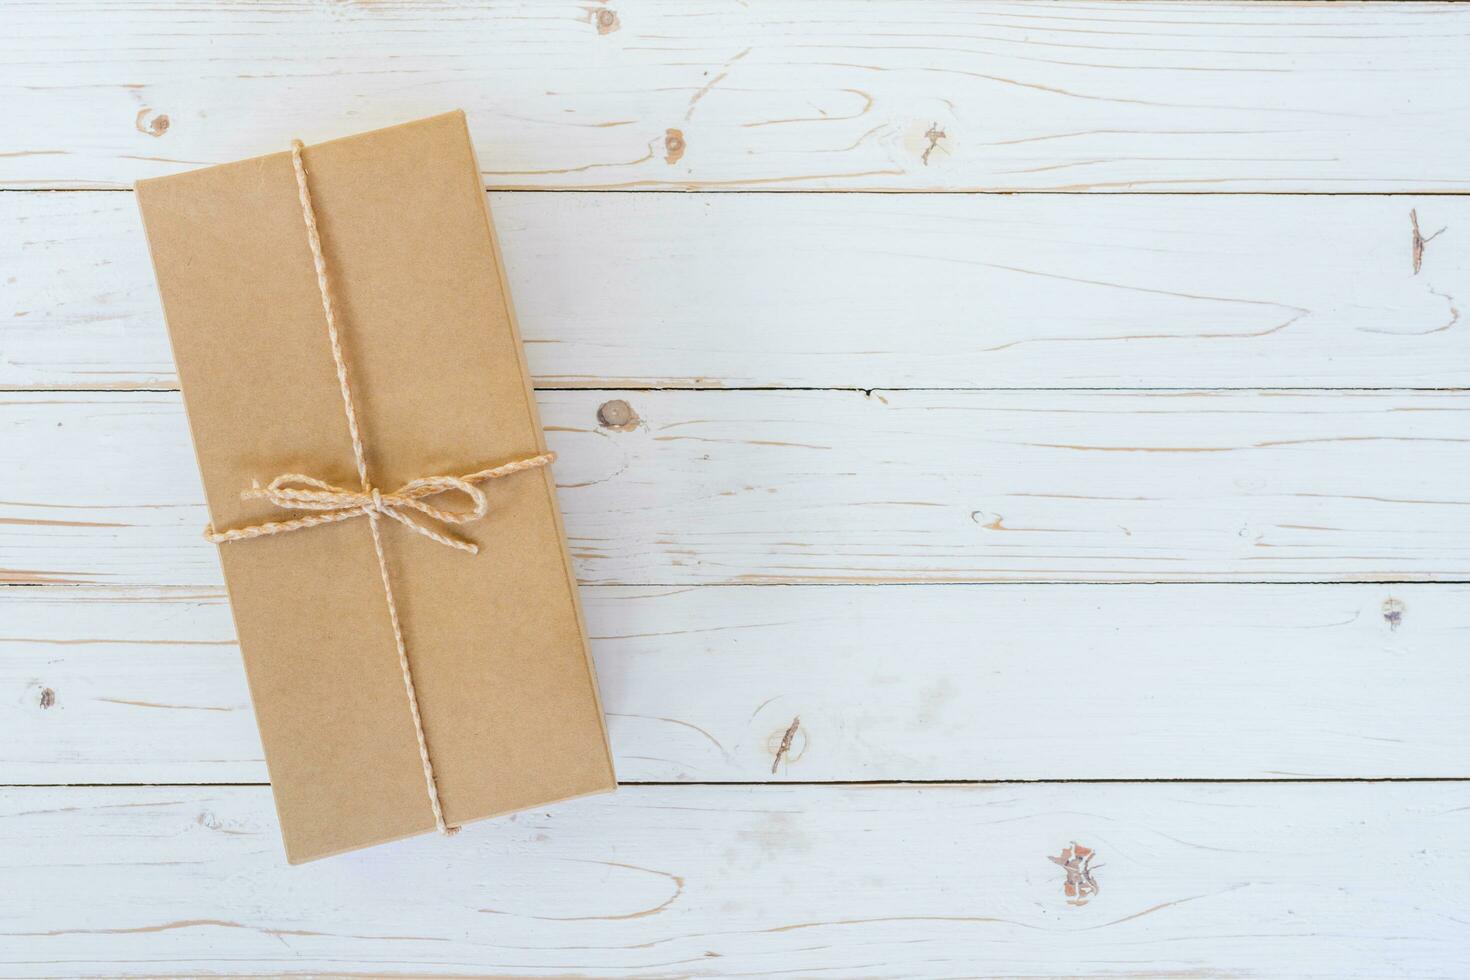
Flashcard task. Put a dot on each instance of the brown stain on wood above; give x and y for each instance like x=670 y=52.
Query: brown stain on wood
x=31 y=576
x=785 y=747
x=561 y=170
x=704 y=90
x=673 y=146
x=1418 y=242
x=176 y=924
x=155 y=704
x=154 y=127
x=933 y=135
x=1080 y=885
x=45 y=522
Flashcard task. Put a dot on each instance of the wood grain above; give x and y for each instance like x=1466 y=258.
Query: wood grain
x=1192 y=213
x=871 y=683
x=758 y=94
x=878 y=291
x=1315 y=880
x=802 y=486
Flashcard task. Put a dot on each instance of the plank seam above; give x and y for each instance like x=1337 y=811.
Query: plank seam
x=916 y=783
x=863 y=191
x=849 y=389
x=912 y=583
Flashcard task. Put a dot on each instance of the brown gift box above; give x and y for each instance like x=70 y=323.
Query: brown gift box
x=499 y=657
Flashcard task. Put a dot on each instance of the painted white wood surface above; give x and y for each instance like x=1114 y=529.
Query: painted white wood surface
x=123 y=671
x=1301 y=880
x=841 y=486
x=758 y=94
x=872 y=291
x=881 y=683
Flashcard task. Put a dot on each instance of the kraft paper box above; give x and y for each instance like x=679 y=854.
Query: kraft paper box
x=498 y=654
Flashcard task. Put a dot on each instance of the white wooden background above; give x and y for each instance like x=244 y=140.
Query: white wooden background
x=1115 y=494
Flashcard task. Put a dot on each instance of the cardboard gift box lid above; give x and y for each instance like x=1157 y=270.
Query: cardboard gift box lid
x=498 y=650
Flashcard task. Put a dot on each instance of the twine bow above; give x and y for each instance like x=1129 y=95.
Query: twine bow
x=295 y=491
x=331 y=504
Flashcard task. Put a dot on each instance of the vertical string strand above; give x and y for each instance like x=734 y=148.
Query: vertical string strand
x=313 y=238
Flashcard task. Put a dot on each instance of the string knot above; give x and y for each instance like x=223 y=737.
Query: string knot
x=330 y=503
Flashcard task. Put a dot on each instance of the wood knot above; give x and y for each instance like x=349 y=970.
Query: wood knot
x=673 y=145
x=1393 y=612
x=933 y=135
x=607 y=21
x=617 y=414
x=1417 y=243
x=47 y=698
x=156 y=126
x=783 y=751
x=1076 y=861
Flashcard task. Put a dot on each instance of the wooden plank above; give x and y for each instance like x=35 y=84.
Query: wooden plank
x=668 y=290
x=1229 y=880
x=803 y=486
x=874 y=683
x=705 y=94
